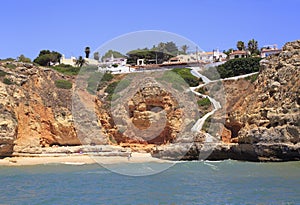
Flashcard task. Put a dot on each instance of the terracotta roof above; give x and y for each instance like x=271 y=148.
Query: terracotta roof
x=270 y=50
x=238 y=52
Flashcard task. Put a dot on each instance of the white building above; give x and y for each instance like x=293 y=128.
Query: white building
x=114 y=61
x=212 y=56
x=182 y=59
x=72 y=61
x=205 y=57
x=238 y=54
x=114 y=65
x=269 y=50
x=68 y=61
x=90 y=61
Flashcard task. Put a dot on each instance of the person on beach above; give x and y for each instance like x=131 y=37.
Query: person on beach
x=129 y=156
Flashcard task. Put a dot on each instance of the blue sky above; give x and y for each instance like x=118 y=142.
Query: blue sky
x=67 y=26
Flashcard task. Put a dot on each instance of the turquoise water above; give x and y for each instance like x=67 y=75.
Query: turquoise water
x=226 y=182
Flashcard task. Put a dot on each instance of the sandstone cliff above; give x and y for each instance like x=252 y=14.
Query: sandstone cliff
x=261 y=120
x=264 y=121
x=34 y=112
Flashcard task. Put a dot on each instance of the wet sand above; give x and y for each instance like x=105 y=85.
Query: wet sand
x=79 y=159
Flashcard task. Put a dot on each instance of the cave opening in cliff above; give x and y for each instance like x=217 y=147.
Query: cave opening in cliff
x=234 y=127
x=154 y=108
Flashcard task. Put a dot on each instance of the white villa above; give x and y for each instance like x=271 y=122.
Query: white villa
x=115 y=65
x=205 y=57
x=238 y=54
x=269 y=50
x=212 y=56
x=72 y=61
x=114 y=61
x=68 y=61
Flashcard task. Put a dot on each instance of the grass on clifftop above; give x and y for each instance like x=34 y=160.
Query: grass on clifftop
x=71 y=70
x=64 y=84
x=66 y=69
x=97 y=81
x=114 y=88
x=185 y=73
x=179 y=77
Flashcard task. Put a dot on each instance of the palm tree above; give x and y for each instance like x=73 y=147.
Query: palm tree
x=240 y=45
x=184 y=48
x=87 y=52
x=80 y=61
x=252 y=46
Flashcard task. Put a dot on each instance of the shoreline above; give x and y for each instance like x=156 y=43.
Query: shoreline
x=136 y=157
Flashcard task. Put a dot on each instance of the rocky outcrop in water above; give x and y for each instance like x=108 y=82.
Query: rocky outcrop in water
x=271 y=114
x=265 y=121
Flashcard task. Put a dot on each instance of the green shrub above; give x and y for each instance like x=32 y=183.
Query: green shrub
x=2 y=73
x=64 y=84
x=10 y=66
x=239 y=66
x=185 y=73
x=122 y=85
x=8 y=59
x=111 y=88
x=107 y=77
x=67 y=69
x=115 y=87
x=179 y=77
x=112 y=140
x=204 y=102
x=97 y=81
x=252 y=78
x=23 y=59
x=206 y=124
x=89 y=68
x=7 y=81
x=202 y=90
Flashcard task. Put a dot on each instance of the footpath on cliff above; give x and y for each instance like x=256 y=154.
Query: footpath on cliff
x=261 y=122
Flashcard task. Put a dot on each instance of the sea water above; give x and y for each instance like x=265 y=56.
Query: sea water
x=225 y=182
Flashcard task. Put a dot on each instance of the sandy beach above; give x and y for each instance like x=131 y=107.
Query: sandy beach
x=79 y=159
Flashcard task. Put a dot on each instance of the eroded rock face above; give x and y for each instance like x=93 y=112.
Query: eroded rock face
x=273 y=110
x=269 y=116
x=8 y=123
x=152 y=116
x=35 y=112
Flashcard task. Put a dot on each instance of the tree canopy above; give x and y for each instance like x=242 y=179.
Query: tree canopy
x=150 y=56
x=184 y=48
x=46 y=57
x=116 y=54
x=158 y=53
x=96 y=56
x=240 y=45
x=253 y=47
x=23 y=59
x=168 y=47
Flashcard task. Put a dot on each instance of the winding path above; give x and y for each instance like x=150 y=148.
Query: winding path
x=200 y=122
